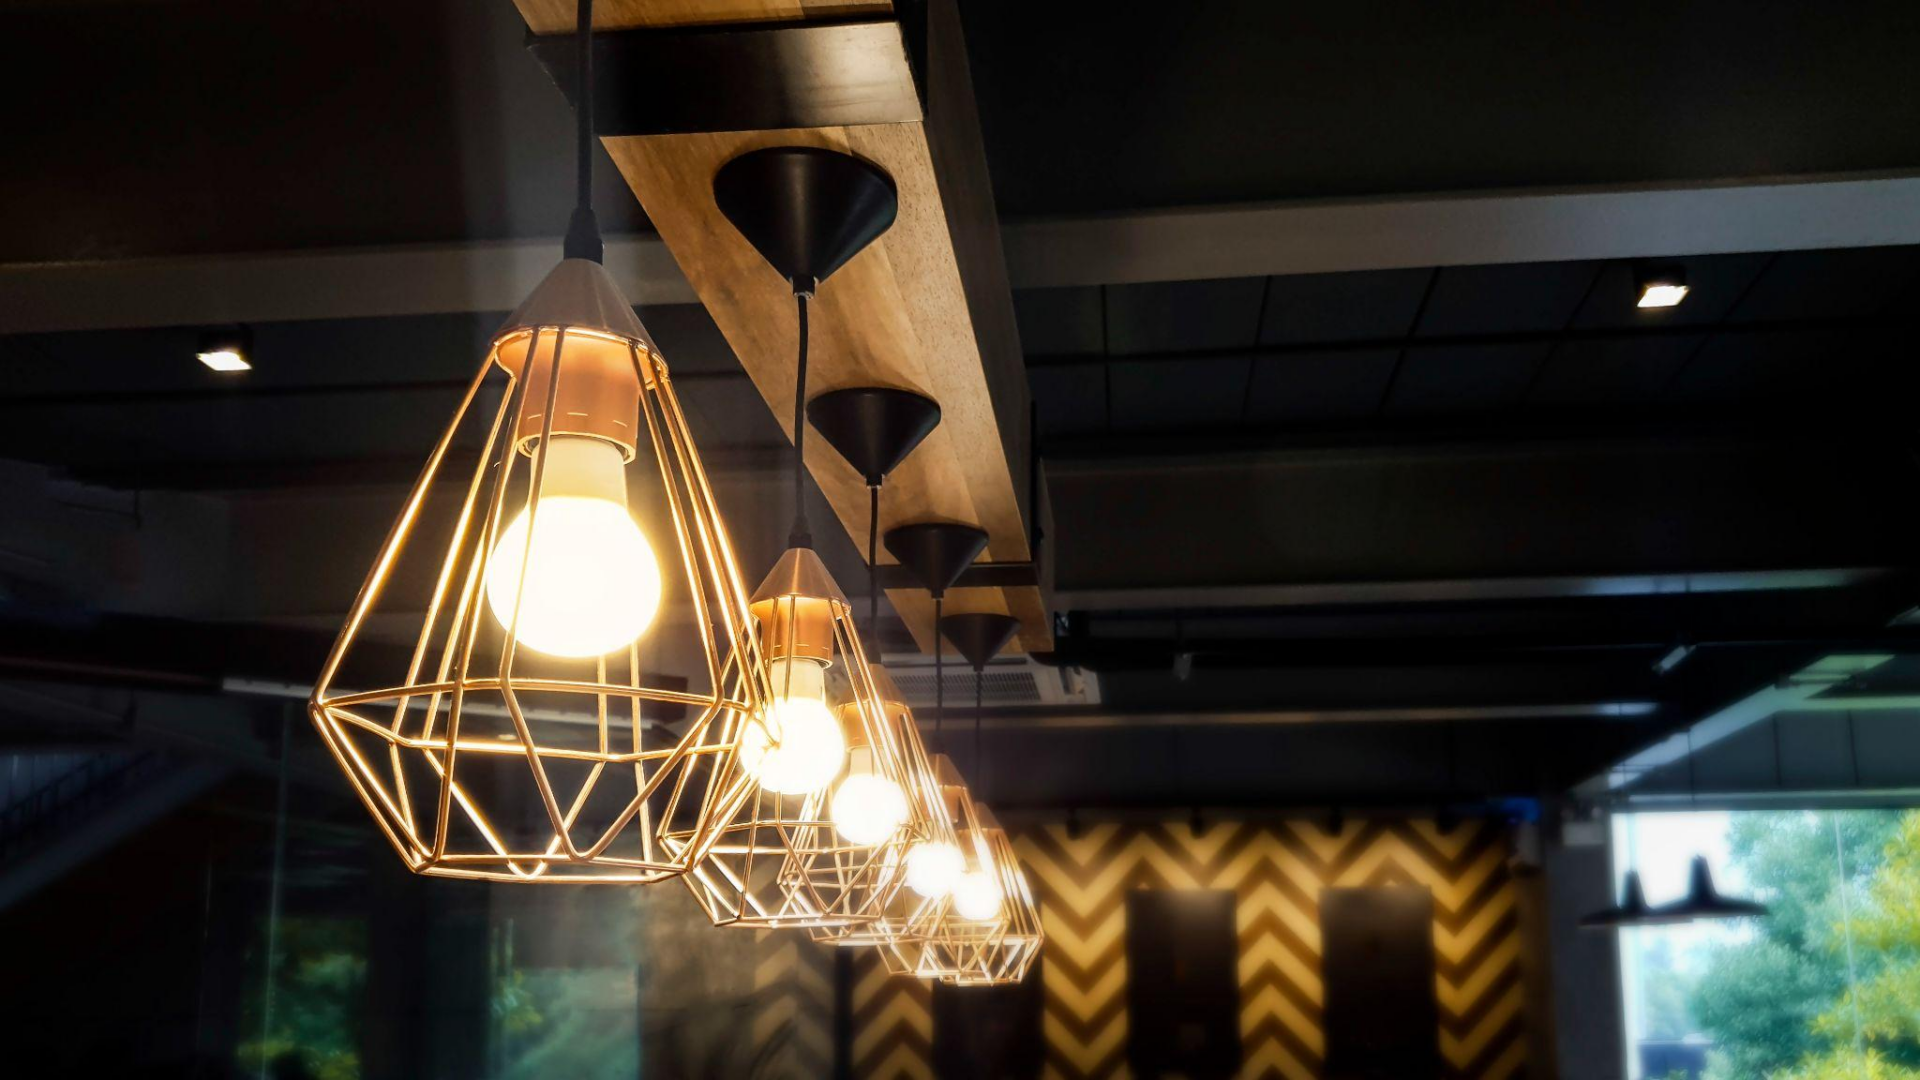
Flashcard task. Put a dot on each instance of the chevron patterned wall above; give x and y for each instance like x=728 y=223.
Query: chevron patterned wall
x=792 y=1005
x=1277 y=869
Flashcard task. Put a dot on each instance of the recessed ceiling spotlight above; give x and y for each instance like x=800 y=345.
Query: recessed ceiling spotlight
x=1661 y=286
x=227 y=349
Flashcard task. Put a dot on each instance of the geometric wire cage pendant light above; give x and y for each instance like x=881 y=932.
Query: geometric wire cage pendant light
x=788 y=858
x=822 y=842
x=489 y=696
x=984 y=932
x=874 y=429
x=908 y=909
x=515 y=733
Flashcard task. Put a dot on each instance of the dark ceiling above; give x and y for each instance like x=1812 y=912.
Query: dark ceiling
x=1153 y=104
x=226 y=125
x=1254 y=359
x=1417 y=533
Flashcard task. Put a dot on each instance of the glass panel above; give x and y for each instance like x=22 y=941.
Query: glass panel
x=1826 y=987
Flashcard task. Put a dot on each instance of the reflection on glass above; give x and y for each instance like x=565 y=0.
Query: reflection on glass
x=314 y=1029
x=1826 y=988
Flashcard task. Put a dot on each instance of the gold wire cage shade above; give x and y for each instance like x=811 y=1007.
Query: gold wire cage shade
x=942 y=942
x=487 y=748
x=931 y=824
x=781 y=861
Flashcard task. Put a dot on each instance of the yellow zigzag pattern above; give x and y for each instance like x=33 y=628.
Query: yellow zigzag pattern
x=889 y=1009
x=793 y=1002
x=1278 y=873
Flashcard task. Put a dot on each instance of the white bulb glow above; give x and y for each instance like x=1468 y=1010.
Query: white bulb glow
x=592 y=584
x=797 y=748
x=976 y=895
x=932 y=868
x=867 y=808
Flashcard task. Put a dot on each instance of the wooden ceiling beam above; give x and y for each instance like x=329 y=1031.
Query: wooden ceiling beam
x=926 y=307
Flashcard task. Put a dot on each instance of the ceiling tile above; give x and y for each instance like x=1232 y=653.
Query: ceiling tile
x=1789 y=366
x=1069 y=399
x=1059 y=322
x=1311 y=387
x=1342 y=307
x=1172 y=316
x=1714 y=283
x=1831 y=284
x=1611 y=371
x=1506 y=299
x=1161 y=395
x=1464 y=378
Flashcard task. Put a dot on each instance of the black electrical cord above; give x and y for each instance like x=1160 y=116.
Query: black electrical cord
x=979 y=769
x=583 y=231
x=801 y=536
x=873 y=569
x=939 y=678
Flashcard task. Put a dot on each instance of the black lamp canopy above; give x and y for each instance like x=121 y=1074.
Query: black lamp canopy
x=937 y=552
x=873 y=427
x=1703 y=901
x=1633 y=910
x=979 y=635
x=805 y=209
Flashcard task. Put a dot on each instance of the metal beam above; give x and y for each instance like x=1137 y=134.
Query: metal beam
x=1160 y=245
x=1563 y=336
x=320 y=284
x=1475 y=590
x=1467 y=228
x=1793 y=693
x=1093 y=719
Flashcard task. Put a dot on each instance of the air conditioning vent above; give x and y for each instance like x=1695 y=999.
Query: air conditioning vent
x=1010 y=682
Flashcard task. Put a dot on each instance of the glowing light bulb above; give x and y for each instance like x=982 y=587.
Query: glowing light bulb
x=592 y=584
x=797 y=748
x=867 y=808
x=933 y=867
x=976 y=895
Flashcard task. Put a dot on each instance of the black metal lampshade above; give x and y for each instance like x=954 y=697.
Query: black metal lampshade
x=873 y=427
x=1633 y=910
x=979 y=635
x=937 y=552
x=805 y=209
x=1703 y=901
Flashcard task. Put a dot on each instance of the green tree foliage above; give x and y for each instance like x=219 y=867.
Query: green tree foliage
x=1883 y=1010
x=1849 y=1064
x=1769 y=1002
x=322 y=970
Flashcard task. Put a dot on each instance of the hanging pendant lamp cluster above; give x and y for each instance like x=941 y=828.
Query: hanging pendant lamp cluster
x=523 y=728
x=807 y=210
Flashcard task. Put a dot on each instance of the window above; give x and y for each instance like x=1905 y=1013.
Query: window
x=1827 y=987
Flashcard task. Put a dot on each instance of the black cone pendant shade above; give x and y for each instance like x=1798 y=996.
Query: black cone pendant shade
x=1633 y=909
x=937 y=552
x=807 y=210
x=873 y=427
x=1703 y=901
x=979 y=635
